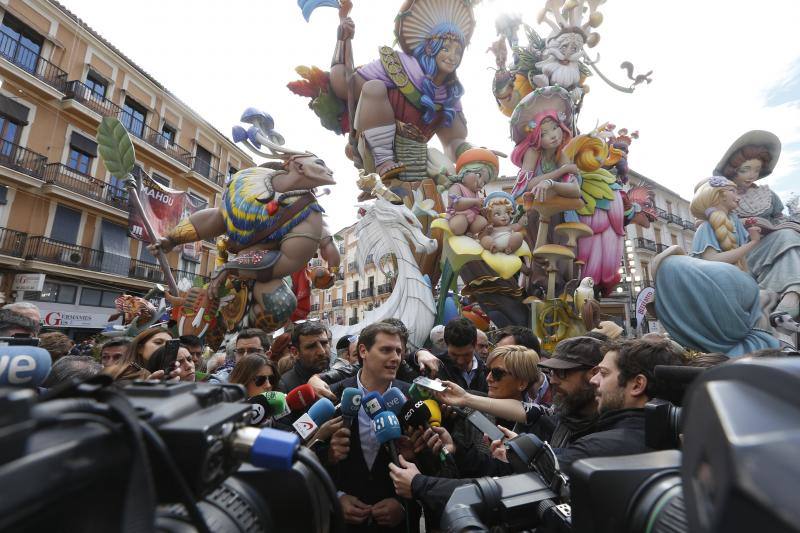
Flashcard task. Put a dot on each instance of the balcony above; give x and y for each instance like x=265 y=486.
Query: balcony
x=662 y=214
x=370 y=260
x=337 y=302
x=205 y=169
x=368 y=293
x=661 y=247
x=688 y=224
x=314 y=307
x=645 y=244
x=21 y=159
x=80 y=92
x=29 y=60
x=352 y=296
x=341 y=249
x=154 y=138
x=384 y=288
x=674 y=219
x=12 y=242
x=47 y=250
x=72 y=180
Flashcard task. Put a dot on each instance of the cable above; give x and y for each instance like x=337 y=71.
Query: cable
x=188 y=499
x=309 y=460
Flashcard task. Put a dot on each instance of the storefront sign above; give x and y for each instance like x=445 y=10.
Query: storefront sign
x=28 y=282
x=74 y=319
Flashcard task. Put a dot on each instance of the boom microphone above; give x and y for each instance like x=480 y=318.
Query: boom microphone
x=23 y=366
x=301 y=397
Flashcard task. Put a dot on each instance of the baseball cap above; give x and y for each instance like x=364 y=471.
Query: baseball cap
x=575 y=352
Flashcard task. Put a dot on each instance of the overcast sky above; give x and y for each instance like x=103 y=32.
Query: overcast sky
x=720 y=68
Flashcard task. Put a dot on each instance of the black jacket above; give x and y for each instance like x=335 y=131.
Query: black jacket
x=619 y=432
x=450 y=371
x=352 y=476
x=295 y=377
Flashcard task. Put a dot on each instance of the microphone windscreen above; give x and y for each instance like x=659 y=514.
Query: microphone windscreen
x=415 y=414
x=351 y=402
x=322 y=411
x=394 y=399
x=435 y=419
x=373 y=404
x=300 y=398
x=387 y=427
x=23 y=366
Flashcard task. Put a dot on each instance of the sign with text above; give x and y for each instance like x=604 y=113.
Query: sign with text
x=645 y=297
x=28 y=282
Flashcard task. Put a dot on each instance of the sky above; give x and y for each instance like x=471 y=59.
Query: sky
x=720 y=68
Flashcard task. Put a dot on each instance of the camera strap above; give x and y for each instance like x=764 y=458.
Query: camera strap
x=138 y=512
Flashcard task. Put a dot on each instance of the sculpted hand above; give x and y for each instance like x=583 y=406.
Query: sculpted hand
x=755 y=233
x=354 y=510
x=347 y=29
x=402 y=476
x=570 y=168
x=540 y=190
x=164 y=244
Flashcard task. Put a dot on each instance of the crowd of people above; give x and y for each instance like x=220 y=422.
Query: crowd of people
x=586 y=398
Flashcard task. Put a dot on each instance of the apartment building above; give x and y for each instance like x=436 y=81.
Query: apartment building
x=353 y=294
x=63 y=217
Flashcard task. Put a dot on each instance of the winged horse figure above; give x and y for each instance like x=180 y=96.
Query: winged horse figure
x=387 y=228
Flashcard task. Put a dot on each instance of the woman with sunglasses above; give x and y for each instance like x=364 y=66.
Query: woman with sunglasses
x=256 y=373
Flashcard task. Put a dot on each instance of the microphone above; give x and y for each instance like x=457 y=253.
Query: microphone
x=23 y=366
x=350 y=404
x=301 y=397
x=387 y=430
x=319 y=413
x=423 y=413
x=268 y=404
x=435 y=418
x=394 y=399
x=416 y=392
x=373 y=404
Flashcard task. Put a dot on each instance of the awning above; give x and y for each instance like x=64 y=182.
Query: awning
x=16 y=111
x=83 y=144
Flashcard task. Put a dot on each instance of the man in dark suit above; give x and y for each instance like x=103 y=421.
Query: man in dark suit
x=310 y=339
x=359 y=466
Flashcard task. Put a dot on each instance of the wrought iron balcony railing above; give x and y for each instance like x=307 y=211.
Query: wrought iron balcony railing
x=30 y=61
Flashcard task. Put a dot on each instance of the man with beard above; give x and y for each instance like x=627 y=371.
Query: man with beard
x=310 y=339
x=559 y=65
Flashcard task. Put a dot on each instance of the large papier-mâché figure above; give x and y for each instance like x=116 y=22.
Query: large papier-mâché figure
x=272 y=222
x=405 y=96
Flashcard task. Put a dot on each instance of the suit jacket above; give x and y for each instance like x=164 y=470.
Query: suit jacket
x=352 y=476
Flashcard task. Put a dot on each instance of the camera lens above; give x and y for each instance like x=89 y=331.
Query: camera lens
x=658 y=507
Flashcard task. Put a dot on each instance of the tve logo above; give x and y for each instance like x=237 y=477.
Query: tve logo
x=25 y=366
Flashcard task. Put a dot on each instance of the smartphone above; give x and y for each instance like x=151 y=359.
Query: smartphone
x=430 y=384
x=171 y=348
x=484 y=425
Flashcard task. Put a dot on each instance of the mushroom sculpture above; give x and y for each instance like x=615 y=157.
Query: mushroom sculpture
x=573 y=231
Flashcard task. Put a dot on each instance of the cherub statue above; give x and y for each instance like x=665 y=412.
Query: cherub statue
x=501 y=235
x=474 y=169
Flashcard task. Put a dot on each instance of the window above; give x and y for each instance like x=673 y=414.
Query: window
x=161 y=180
x=658 y=235
x=674 y=238
x=169 y=133
x=79 y=161
x=98 y=298
x=646 y=271
x=202 y=161
x=9 y=135
x=97 y=85
x=133 y=117
x=20 y=44
x=65 y=225
x=54 y=292
x=669 y=207
x=3 y=195
x=231 y=172
x=198 y=201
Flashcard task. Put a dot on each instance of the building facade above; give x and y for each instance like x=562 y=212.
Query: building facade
x=61 y=213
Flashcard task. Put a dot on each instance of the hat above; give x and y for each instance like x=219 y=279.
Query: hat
x=763 y=138
x=418 y=20
x=529 y=112
x=575 y=352
x=478 y=155
x=344 y=342
x=498 y=194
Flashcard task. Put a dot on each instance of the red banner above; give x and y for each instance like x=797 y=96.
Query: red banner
x=164 y=208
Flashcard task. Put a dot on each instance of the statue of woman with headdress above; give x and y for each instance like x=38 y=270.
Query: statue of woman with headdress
x=775 y=262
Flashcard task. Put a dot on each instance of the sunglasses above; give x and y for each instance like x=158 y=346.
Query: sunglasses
x=260 y=380
x=497 y=373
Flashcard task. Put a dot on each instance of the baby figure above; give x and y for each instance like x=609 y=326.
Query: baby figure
x=474 y=168
x=500 y=235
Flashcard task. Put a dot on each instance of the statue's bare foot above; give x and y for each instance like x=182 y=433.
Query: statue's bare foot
x=390 y=169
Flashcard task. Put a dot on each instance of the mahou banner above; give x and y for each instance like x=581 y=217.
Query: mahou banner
x=164 y=208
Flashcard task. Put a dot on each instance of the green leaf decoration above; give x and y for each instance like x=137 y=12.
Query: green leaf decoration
x=115 y=147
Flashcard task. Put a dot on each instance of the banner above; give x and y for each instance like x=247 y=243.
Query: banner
x=164 y=208
x=645 y=297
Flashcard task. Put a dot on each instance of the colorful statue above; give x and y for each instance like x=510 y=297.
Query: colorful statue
x=775 y=261
x=474 y=169
x=272 y=221
x=400 y=101
x=603 y=211
x=501 y=235
x=560 y=59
